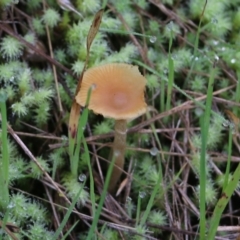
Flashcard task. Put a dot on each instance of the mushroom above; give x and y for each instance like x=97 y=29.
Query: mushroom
x=118 y=93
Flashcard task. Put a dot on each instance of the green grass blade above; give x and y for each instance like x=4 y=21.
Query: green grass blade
x=170 y=81
x=112 y=30
x=170 y=73
x=104 y=4
x=81 y=126
x=222 y=203
x=100 y=205
x=159 y=181
x=162 y=96
x=92 y=195
x=138 y=209
x=103 y=228
x=70 y=230
x=203 y=180
x=71 y=147
x=236 y=109
x=196 y=44
x=151 y=200
x=4 y=165
x=204 y=135
x=229 y=159
x=67 y=215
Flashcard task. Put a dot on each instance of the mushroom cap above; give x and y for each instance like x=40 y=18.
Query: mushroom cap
x=117 y=91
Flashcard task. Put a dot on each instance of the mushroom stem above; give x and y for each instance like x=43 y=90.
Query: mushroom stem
x=117 y=153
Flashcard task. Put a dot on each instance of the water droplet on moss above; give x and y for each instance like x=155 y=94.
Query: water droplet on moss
x=154 y=151
x=82 y=177
x=214 y=21
x=165 y=71
x=116 y=153
x=11 y=205
x=142 y=194
x=226 y=124
x=153 y=39
x=170 y=26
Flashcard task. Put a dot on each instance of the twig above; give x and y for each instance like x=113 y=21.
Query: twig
x=53 y=66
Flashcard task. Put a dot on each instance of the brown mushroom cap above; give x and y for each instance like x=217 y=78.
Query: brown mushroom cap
x=117 y=91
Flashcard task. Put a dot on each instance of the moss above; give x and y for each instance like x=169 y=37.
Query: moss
x=34 y=114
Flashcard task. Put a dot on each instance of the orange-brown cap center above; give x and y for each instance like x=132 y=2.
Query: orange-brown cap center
x=120 y=99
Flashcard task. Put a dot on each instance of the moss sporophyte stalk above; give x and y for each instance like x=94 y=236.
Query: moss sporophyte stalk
x=118 y=93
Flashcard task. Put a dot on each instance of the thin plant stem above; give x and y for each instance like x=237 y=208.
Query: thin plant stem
x=170 y=74
x=118 y=152
x=162 y=96
x=70 y=230
x=111 y=30
x=53 y=66
x=196 y=43
x=170 y=82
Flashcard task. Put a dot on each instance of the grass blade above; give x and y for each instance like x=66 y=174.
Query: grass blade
x=229 y=159
x=151 y=200
x=170 y=81
x=92 y=195
x=237 y=95
x=170 y=73
x=222 y=203
x=70 y=230
x=204 y=135
x=100 y=205
x=82 y=124
x=67 y=215
x=4 y=165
